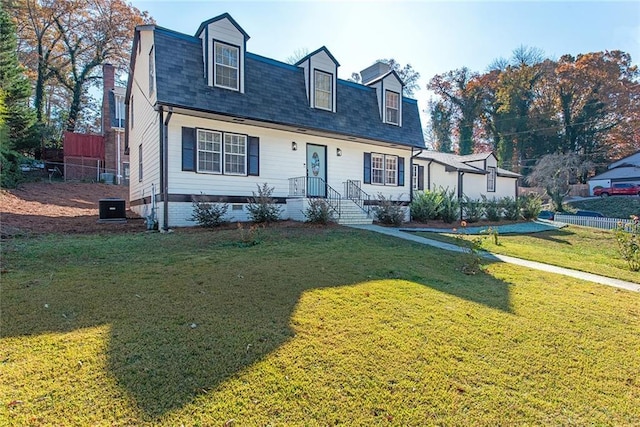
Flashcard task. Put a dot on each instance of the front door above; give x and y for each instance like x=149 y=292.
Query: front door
x=316 y=170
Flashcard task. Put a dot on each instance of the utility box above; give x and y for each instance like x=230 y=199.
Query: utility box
x=112 y=210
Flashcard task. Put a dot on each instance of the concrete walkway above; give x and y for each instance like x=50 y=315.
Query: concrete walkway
x=395 y=232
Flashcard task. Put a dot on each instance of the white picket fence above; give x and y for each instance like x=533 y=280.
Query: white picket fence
x=590 y=221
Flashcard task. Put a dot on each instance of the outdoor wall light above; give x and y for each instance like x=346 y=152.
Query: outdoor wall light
x=294 y=145
x=338 y=152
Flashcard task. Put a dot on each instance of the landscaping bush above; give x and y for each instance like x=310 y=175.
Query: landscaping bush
x=319 y=212
x=473 y=210
x=262 y=207
x=209 y=214
x=628 y=239
x=531 y=206
x=10 y=173
x=450 y=207
x=492 y=209
x=426 y=206
x=388 y=212
x=510 y=208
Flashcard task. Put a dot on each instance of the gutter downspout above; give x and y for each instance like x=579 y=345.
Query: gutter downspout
x=411 y=178
x=165 y=170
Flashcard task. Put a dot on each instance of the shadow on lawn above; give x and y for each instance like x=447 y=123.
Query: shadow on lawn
x=553 y=236
x=183 y=327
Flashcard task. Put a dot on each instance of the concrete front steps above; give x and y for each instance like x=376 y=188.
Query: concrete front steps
x=351 y=214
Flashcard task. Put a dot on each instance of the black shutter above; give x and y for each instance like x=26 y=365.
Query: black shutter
x=188 y=149
x=253 y=159
x=400 y=171
x=420 y=177
x=367 y=168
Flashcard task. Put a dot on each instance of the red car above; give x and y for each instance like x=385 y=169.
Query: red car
x=619 y=189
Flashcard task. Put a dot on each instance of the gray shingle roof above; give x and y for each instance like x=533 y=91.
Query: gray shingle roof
x=274 y=92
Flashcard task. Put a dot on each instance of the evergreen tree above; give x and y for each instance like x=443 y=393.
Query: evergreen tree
x=17 y=118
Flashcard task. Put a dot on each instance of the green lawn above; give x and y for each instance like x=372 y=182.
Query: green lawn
x=579 y=248
x=309 y=327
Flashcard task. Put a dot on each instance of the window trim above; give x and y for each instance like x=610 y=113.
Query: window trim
x=215 y=65
x=120 y=110
x=415 y=176
x=491 y=179
x=223 y=163
x=207 y=171
x=387 y=107
x=317 y=72
x=224 y=153
x=384 y=169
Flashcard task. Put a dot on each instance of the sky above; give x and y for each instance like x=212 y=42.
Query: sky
x=434 y=37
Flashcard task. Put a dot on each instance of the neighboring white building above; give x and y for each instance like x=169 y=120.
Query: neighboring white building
x=626 y=169
x=474 y=175
x=208 y=121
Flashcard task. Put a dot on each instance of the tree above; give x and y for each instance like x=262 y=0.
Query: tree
x=407 y=74
x=16 y=117
x=464 y=91
x=441 y=115
x=99 y=31
x=297 y=55
x=555 y=172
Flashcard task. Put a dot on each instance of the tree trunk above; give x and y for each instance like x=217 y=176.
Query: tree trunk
x=74 y=109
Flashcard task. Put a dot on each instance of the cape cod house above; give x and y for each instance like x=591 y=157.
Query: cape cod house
x=208 y=121
x=473 y=175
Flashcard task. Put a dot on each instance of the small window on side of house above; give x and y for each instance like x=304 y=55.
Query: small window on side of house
x=152 y=72
x=491 y=179
x=140 y=163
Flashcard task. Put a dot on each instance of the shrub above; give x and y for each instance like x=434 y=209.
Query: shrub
x=531 y=205
x=426 y=206
x=248 y=236
x=319 y=212
x=510 y=208
x=262 y=207
x=473 y=209
x=209 y=214
x=387 y=211
x=450 y=207
x=10 y=173
x=628 y=238
x=492 y=209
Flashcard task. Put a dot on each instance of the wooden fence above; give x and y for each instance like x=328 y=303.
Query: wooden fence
x=590 y=221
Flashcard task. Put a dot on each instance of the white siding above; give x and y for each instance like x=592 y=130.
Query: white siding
x=145 y=130
x=440 y=178
x=278 y=163
x=224 y=31
x=505 y=187
x=475 y=185
x=378 y=87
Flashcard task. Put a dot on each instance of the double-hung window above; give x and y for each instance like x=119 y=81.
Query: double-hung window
x=323 y=90
x=119 y=111
x=227 y=69
x=491 y=179
x=222 y=152
x=384 y=169
x=415 y=176
x=209 y=151
x=392 y=107
x=235 y=154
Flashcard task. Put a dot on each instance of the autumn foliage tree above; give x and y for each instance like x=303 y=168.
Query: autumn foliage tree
x=65 y=42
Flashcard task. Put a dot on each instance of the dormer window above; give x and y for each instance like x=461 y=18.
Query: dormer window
x=227 y=66
x=392 y=107
x=323 y=90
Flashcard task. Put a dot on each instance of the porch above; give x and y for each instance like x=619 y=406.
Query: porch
x=352 y=206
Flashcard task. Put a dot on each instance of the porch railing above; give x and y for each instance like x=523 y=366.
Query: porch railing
x=312 y=186
x=354 y=193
